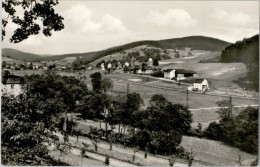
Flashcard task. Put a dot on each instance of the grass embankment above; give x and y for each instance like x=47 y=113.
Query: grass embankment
x=208 y=151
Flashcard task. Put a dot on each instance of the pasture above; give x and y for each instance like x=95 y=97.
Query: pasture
x=216 y=152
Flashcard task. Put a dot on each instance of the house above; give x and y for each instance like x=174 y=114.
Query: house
x=181 y=74
x=149 y=71
x=200 y=84
x=169 y=73
x=13 y=85
x=126 y=64
x=140 y=72
x=150 y=62
x=103 y=66
x=109 y=65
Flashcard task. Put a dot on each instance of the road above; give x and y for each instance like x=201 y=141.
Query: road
x=212 y=108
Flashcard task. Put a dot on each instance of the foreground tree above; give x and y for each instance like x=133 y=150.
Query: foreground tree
x=33 y=12
x=96 y=80
x=27 y=126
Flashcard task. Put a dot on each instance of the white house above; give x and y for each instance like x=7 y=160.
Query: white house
x=169 y=73
x=200 y=84
x=13 y=85
x=140 y=71
x=109 y=65
x=127 y=64
x=149 y=71
x=103 y=66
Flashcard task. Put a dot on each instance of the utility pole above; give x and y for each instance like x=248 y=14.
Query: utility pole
x=65 y=127
x=187 y=99
x=230 y=107
x=127 y=88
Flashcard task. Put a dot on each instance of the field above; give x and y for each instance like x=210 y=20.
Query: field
x=216 y=152
x=10 y=60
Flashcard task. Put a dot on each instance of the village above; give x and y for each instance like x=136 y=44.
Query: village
x=120 y=83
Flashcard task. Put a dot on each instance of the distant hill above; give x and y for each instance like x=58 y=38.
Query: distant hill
x=19 y=55
x=194 y=42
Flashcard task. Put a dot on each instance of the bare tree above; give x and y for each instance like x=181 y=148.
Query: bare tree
x=190 y=157
x=172 y=160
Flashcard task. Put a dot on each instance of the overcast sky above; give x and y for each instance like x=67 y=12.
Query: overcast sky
x=96 y=25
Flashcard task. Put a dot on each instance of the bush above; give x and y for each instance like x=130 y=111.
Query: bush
x=142 y=138
x=213 y=131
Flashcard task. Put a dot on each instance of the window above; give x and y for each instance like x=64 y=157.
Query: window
x=12 y=86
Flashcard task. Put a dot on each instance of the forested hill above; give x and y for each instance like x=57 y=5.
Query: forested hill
x=19 y=55
x=194 y=42
x=247 y=52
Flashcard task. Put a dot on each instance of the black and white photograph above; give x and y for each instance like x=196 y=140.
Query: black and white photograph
x=129 y=83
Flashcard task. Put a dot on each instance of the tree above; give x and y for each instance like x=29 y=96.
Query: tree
x=28 y=124
x=190 y=157
x=4 y=64
x=96 y=79
x=226 y=110
x=172 y=160
x=173 y=116
x=155 y=62
x=107 y=84
x=33 y=12
x=107 y=161
x=214 y=131
x=144 y=67
x=142 y=138
x=162 y=142
x=133 y=103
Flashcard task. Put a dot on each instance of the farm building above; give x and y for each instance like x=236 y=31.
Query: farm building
x=178 y=74
x=181 y=74
x=12 y=84
x=169 y=73
x=200 y=84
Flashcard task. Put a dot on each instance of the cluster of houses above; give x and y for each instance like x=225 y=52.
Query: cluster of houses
x=172 y=74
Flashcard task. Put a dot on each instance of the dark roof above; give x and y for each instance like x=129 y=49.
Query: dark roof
x=168 y=70
x=198 y=80
x=13 y=79
x=182 y=71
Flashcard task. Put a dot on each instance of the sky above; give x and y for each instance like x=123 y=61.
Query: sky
x=97 y=25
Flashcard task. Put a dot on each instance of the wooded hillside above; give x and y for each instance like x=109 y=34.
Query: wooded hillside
x=247 y=52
